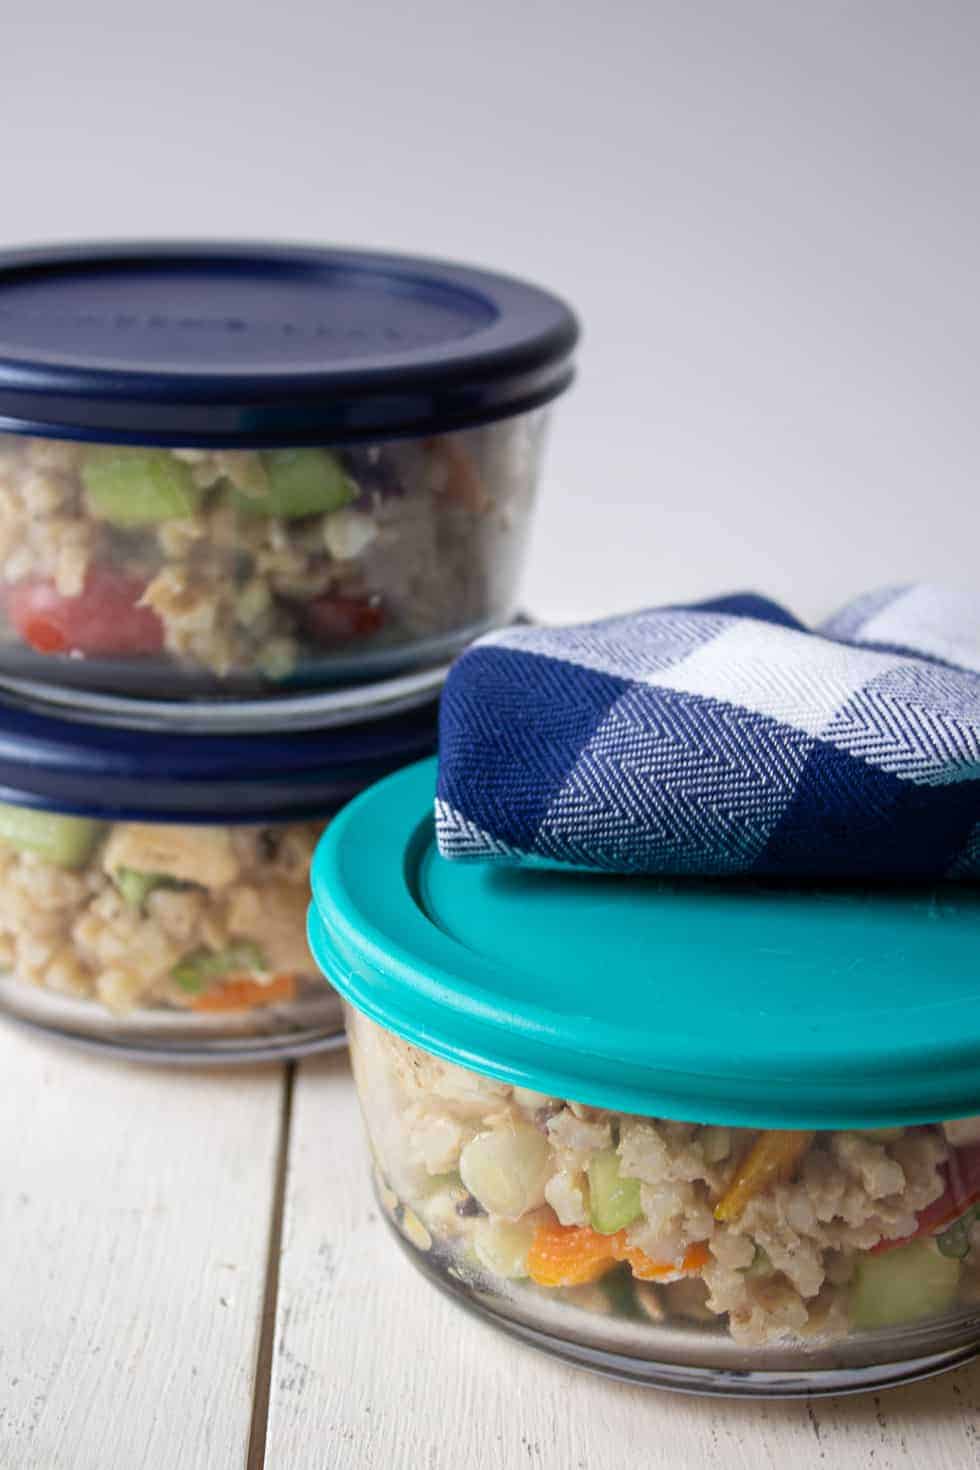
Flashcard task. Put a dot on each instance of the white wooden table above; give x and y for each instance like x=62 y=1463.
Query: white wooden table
x=193 y=1276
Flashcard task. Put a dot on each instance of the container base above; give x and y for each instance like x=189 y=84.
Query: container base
x=357 y=704
x=277 y=1033
x=697 y=1361
x=339 y=692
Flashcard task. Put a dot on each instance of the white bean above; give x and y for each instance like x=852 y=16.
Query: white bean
x=502 y=1245
x=507 y=1169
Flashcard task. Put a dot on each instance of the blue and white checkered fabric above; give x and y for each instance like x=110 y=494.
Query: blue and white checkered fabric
x=723 y=738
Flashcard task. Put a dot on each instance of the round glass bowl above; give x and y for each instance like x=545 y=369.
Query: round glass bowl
x=158 y=573
x=723 y=1259
x=165 y=941
x=715 y=1136
x=153 y=890
x=231 y=472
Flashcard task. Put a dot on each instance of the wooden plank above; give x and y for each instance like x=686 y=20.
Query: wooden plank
x=375 y=1370
x=134 y=1213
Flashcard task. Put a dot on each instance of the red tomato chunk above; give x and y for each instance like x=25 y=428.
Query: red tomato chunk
x=335 y=618
x=962 y=1192
x=104 y=619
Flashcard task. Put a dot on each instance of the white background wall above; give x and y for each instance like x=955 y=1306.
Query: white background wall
x=764 y=210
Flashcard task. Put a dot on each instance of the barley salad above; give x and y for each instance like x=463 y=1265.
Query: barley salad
x=775 y=1236
x=253 y=568
x=705 y=1134
x=132 y=915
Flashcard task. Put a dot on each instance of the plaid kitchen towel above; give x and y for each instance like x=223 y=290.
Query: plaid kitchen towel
x=723 y=738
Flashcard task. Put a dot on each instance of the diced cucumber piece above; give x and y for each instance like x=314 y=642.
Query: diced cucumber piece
x=439 y=1183
x=66 y=841
x=301 y=482
x=619 y=1289
x=902 y=1285
x=196 y=971
x=614 y=1201
x=136 y=887
x=138 y=487
x=955 y=1242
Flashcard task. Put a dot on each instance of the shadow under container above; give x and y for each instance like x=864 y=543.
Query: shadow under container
x=153 y=890
x=712 y=1136
x=231 y=472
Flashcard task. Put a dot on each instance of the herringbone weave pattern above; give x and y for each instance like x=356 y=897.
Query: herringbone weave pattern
x=723 y=738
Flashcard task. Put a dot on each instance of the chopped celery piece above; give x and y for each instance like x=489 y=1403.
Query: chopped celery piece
x=136 y=887
x=902 y=1285
x=614 y=1201
x=196 y=971
x=138 y=487
x=66 y=841
x=301 y=482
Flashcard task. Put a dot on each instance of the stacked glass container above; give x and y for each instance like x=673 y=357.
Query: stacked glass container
x=252 y=501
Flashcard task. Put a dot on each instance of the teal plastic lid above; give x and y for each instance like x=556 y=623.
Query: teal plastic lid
x=710 y=1001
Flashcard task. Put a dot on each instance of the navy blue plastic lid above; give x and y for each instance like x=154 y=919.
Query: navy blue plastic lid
x=237 y=345
x=112 y=773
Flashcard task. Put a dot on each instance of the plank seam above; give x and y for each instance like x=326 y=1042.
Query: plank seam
x=259 y=1428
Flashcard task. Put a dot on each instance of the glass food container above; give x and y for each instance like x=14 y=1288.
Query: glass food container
x=233 y=471
x=153 y=890
x=715 y=1136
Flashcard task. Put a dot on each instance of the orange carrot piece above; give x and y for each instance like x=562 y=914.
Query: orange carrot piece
x=772 y=1158
x=645 y=1268
x=696 y=1257
x=463 y=482
x=574 y=1255
x=239 y=993
x=569 y=1255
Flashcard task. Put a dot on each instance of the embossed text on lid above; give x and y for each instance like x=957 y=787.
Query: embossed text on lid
x=249 y=344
